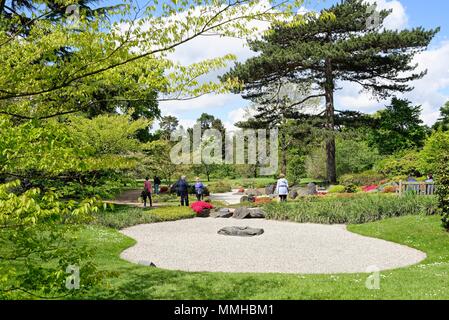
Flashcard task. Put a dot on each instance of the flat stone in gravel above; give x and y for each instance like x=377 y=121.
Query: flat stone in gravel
x=285 y=247
x=240 y=231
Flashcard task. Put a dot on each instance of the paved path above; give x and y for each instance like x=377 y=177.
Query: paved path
x=285 y=247
x=228 y=197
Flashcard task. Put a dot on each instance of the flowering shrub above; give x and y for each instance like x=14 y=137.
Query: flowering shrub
x=200 y=206
x=163 y=189
x=262 y=200
x=390 y=189
x=370 y=188
x=241 y=190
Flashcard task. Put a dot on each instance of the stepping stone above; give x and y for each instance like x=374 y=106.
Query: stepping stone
x=240 y=231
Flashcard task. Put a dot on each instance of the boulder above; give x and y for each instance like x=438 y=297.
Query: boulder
x=253 y=192
x=248 y=213
x=256 y=213
x=240 y=231
x=204 y=213
x=293 y=194
x=270 y=189
x=311 y=189
x=223 y=213
x=241 y=213
x=244 y=199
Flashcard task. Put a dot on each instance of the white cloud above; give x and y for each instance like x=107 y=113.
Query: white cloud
x=398 y=19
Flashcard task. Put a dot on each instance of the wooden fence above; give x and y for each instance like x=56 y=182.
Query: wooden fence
x=419 y=188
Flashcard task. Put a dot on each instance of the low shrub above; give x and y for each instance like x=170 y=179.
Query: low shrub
x=262 y=200
x=164 y=189
x=361 y=179
x=220 y=187
x=119 y=217
x=356 y=209
x=390 y=189
x=336 y=189
x=351 y=188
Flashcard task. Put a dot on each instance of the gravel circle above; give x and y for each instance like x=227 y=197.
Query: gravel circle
x=284 y=247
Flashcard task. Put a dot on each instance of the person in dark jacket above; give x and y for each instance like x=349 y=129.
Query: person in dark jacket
x=156 y=184
x=182 y=189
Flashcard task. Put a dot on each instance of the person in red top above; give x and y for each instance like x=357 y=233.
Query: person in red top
x=146 y=193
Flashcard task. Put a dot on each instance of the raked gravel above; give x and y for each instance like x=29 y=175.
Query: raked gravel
x=284 y=247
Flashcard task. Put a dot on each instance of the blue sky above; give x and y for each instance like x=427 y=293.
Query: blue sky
x=431 y=92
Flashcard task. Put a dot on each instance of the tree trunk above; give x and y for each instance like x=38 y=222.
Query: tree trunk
x=283 y=154
x=330 y=139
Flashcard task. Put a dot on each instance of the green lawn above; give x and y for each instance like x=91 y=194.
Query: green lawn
x=428 y=280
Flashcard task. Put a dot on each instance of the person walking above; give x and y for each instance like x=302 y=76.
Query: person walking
x=199 y=189
x=146 y=193
x=282 y=188
x=182 y=189
x=157 y=183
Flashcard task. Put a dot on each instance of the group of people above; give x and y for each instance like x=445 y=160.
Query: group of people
x=181 y=187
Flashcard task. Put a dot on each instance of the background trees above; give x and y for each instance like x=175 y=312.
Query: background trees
x=338 y=44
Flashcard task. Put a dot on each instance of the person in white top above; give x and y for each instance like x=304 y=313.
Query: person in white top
x=282 y=187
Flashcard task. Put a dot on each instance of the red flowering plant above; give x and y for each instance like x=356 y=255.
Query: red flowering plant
x=262 y=200
x=199 y=206
x=370 y=188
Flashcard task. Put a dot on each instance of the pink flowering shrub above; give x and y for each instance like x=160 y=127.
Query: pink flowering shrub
x=200 y=206
x=370 y=188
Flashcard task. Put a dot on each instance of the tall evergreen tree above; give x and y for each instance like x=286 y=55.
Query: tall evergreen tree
x=339 y=44
x=443 y=121
x=399 y=128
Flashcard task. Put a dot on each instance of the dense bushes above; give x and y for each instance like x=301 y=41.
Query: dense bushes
x=356 y=209
x=220 y=187
x=443 y=190
x=403 y=163
x=361 y=179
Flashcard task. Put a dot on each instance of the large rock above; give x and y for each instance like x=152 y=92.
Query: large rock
x=249 y=213
x=204 y=213
x=253 y=192
x=223 y=213
x=241 y=213
x=244 y=199
x=311 y=189
x=256 y=213
x=240 y=231
x=270 y=189
x=293 y=194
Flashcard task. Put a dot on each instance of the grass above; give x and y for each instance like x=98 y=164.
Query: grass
x=355 y=209
x=428 y=280
x=121 y=216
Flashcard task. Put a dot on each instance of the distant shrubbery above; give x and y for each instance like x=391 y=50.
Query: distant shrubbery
x=337 y=189
x=361 y=179
x=356 y=209
x=220 y=187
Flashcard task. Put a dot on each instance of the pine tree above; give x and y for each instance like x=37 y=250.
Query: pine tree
x=342 y=43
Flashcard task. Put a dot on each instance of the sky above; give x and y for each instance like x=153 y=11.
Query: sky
x=431 y=92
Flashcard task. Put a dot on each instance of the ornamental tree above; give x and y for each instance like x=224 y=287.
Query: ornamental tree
x=339 y=44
